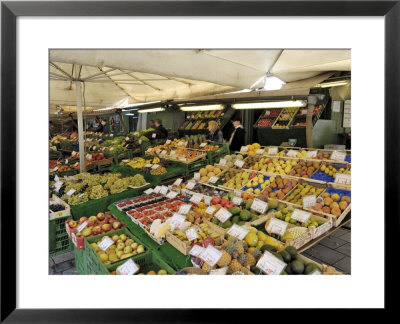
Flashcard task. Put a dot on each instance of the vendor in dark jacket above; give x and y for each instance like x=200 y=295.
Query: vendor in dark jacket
x=236 y=139
x=160 y=130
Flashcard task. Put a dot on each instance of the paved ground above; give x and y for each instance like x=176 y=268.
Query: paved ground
x=334 y=250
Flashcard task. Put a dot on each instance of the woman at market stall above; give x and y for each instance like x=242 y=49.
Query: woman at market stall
x=236 y=140
x=214 y=134
x=98 y=125
x=160 y=130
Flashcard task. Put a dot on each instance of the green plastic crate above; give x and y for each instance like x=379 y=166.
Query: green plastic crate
x=62 y=247
x=94 y=265
x=194 y=166
x=80 y=261
x=214 y=156
x=57 y=231
x=55 y=155
x=122 y=156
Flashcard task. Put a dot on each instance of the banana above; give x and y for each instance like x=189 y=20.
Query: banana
x=163 y=230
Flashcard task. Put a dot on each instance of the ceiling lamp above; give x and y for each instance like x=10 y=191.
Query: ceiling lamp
x=202 y=108
x=271 y=104
x=141 y=111
x=333 y=84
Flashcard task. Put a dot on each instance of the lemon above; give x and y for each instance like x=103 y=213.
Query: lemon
x=251 y=239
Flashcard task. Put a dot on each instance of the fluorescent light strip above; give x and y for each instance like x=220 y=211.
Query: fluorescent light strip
x=202 y=108
x=151 y=110
x=333 y=84
x=271 y=104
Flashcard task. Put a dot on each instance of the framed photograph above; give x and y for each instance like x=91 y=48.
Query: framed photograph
x=188 y=139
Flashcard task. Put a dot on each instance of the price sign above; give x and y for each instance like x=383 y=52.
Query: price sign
x=149 y=191
x=81 y=195
x=270 y=264
x=177 y=220
x=70 y=192
x=343 y=178
x=237 y=200
x=128 y=268
x=157 y=189
x=322 y=229
x=66 y=161
x=82 y=226
x=338 y=156
x=259 y=206
x=140 y=141
x=158 y=151
x=196 y=176
x=316 y=272
x=184 y=209
x=172 y=194
x=239 y=163
x=148 y=165
x=301 y=215
x=203 y=144
x=267 y=113
x=191 y=234
x=155 y=166
x=238 y=193
x=190 y=185
x=272 y=150
x=207 y=200
x=89 y=156
x=58 y=185
x=168 y=142
x=213 y=179
x=223 y=215
x=73 y=153
x=222 y=162
x=177 y=182
x=105 y=243
x=277 y=226
x=311 y=154
x=220 y=271
x=76 y=164
x=196 y=199
x=309 y=201
x=196 y=251
x=164 y=190
x=210 y=210
x=244 y=149
x=56 y=179
x=211 y=255
x=260 y=151
x=238 y=231
x=55 y=169
x=149 y=150
x=164 y=152
x=153 y=135
x=292 y=153
x=172 y=152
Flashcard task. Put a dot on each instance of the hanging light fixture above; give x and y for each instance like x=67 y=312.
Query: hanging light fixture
x=141 y=111
x=202 y=108
x=270 y=104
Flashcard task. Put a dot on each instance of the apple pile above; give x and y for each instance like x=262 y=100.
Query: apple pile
x=102 y=223
x=221 y=202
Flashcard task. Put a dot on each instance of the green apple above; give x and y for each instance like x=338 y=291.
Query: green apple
x=140 y=249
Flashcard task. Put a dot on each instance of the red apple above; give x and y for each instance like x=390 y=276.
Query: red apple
x=101 y=216
x=106 y=227
x=72 y=224
x=82 y=219
x=116 y=225
x=96 y=230
x=93 y=219
x=111 y=220
x=89 y=223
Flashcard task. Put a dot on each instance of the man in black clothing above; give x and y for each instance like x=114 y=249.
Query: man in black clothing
x=151 y=123
x=236 y=139
x=160 y=130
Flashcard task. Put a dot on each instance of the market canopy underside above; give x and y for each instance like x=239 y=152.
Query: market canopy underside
x=158 y=75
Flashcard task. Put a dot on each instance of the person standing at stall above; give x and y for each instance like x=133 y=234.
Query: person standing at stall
x=151 y=123
x=236 y=140
x=214 y=134
x=160 y=130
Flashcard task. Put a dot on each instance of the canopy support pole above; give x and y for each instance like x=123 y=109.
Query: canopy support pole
x=80 y=127
x=121 y=119
x=312 y=100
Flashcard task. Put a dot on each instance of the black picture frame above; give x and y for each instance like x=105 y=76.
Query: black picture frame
x=11 y=10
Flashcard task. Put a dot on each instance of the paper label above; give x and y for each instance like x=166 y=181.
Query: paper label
x=223 y=215
x=210 y=210
x=196 y=250
x=207 y=200
x=196 y=176
x=172 y=152
x=222 y=162
x=239 y=163
x=82 y=226
x=73 y=153
x=158 y=151
x=309 y=201
x=149 y=191
x=338 y=156
x=148 y=165
x=277 y=226
x=322 y=229
x=311 y=154
x=244 y=149
x=213 y=179
x=238 y=231
x=81 y=195
x=149 y=150
x=211 y=255
x=168 y=142
x=190 y=185
x=89 y=156
x=196 y=198
x=184 y=209
x=220 y=271
x=56 y=179
x=260 y=151
x=343 y=178
x=177 y=182
x=155 y=166
x=238 y=193
x=157 y=189
x=70 y=192
x=163 y=152
x=128 y=268
x=316 y=272
x=105 y=243
x=237 y=200
x=259 y=206
x=172 y=194
x=164 y=190
x=55 y=169
x=191 y=234
x=272 y=150
x=270 y=264
x=177 y=220
x=292 y=153
x=58 y=185
x=66 y=161
x=203 y=144
x=300 y=215
x=153 y=135
x=76 y=164
x=267 y=113
x=140 y=142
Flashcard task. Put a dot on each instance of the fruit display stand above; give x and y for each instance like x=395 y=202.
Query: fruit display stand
x=62 y=212
x=58 y=238
x=104 y=165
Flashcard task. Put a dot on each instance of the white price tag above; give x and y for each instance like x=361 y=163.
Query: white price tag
x=220 y=271
x=267 y=113
x=196 y=250
x=237 y=200
x=213 y=179
x=70 y=192
x=196 y=176
x=207 y=200
x=322 y=229
x=203 y=144
x=260 y=151
x=149 y=191
x=272 y=150
x=157 y=189
x=80 y=195
x=128 y=268
x=127 y=138
x=300 y=215
x=239 y=163
x=316 y=272
x=172 y=152
x=148 y=165
x=191 y=234
x=277 y=226
x=238 y=231
x=338 y=156
x=58 y=185
x=81 y=227
x=311 y=154
x=177 y=220
x=66 y=161
x=163 y=152
x=158 y=151
x=259 y=206
x=244 y=149
x=309 y=201
x=177 y=182
x=343 y=178
x=153 y=135
x=222 y=162
x=76 y=164
x=168 y=142
x=155 y=166
x=140 y=142
x=210 y=210
x=105 y=243
x=172 y=194
x=238 y=193
x=89 y=156
x=55 y=169
x=184 y=209
x=164 y=190
x=196 y=199
x=270 y=264
x=292 y=153
x=223 y=215
x=56 y=179
x=190 y=185
x=73 y=153
x=149 y=150
x=211 y=255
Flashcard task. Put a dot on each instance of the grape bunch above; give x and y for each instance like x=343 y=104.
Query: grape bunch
x=77 y=199
x=56 y=207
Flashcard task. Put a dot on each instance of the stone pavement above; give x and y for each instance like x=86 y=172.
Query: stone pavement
x=334 y=250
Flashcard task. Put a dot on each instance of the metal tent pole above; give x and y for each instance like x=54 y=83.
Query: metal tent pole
x=80 y=126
